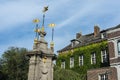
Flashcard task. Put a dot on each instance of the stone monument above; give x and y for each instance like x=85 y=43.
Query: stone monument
x=41 y=57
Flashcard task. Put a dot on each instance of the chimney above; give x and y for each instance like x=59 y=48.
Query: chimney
x=96 y=30
x=78 y=35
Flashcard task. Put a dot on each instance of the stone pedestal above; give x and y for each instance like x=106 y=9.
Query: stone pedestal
x=40 y=61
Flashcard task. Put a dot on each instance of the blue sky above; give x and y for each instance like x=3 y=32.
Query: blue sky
x=70 y=17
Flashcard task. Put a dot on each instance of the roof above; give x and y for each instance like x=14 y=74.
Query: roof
x=88 y=39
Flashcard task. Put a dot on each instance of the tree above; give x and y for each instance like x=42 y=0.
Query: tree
x=14 y=64
x=64 y=74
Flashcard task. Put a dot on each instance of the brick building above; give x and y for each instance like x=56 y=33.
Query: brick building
x=114 y=49
x=96 y=55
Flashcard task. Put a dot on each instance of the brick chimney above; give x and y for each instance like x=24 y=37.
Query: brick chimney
x=78 y=35
x=96 y=30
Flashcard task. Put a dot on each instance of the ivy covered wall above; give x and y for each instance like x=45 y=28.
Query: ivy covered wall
x=86 y=52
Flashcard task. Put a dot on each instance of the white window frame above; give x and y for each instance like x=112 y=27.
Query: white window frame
x=103 y=77
x=118 y=47
x=93 y=58
x=104 y=56
x=63 y=64
x=81 y=60
x=102 y=35
x=73 y=43
x=71 y=62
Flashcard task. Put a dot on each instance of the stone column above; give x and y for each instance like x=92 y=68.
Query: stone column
x=40 y=63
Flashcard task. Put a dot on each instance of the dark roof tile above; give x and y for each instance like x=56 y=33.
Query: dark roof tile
x=88 y=39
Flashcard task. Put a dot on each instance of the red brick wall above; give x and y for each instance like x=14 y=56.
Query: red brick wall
x=111 y=49
x=94 y=74
x=113 y=34
x=116 y=60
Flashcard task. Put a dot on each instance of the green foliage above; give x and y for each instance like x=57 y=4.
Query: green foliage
x=63 y=74
x=86 y=52
x=14 y=65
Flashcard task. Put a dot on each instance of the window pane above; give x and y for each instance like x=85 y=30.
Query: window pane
x=71 y=62
x=81 y=60
x=93 y=58
x=63 y=64
x=103 y=77
x=104 y=56
x=119 y=47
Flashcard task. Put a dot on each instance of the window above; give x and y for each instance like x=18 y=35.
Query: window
x=118 y=44
x=93 y=58
x=103 y=77
x=71 y=62
x=63 y=64
x=73 y=43
x=80 y=60
x=103 y=35
x=104 y=57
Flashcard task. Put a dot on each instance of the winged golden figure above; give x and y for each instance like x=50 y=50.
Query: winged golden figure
x=45 y=9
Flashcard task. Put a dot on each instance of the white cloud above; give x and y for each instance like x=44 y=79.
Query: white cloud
x=94 y=8
x=18 y=12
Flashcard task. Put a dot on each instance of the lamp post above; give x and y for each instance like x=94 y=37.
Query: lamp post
x=52 y=25
x=36 y=21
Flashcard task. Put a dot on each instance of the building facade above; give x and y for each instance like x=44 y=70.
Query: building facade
x=96 y=56
x=114 y=49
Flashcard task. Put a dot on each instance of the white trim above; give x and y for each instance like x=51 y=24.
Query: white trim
x=105 y=55
x=110 y=40
x=118 y=47
x=114 y=64
x=99 y=77
x=115 y=47
x=118 y=70
x=113 y=58
x=114 y=30
x=81 y=59
x=71 y=62
x=63 y=64
x=93 y=57
x=118 y=37
x=102 y=35
x=103 y=75
x=101 y=57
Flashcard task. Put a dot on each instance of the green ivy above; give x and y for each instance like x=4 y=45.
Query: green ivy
x=86 y=52
x=64 y=74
